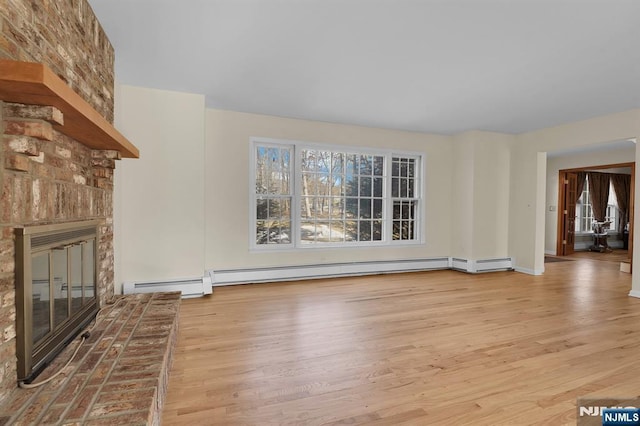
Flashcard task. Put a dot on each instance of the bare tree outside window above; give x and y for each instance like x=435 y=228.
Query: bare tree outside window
x=273 y=195
x=405 y=201
x=311 y=196
x=341 y=197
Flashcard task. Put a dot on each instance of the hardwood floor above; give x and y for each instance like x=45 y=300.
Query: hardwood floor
x=427 y=348
x=616 y=255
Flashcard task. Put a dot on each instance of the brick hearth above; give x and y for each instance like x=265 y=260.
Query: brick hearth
x=119 y=376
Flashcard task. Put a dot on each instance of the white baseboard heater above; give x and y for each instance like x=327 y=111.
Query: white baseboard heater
x=190 y=287
x=198 y=287
x=288 y=273
x=483 y=265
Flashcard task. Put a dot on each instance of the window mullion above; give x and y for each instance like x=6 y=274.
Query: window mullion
x=296 y=197
x=387 y=220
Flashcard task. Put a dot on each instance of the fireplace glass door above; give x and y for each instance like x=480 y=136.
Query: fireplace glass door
x=55 y=290
x=63 y=283
x=40 y=266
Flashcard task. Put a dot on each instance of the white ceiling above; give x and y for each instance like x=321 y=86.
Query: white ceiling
x=438 y=66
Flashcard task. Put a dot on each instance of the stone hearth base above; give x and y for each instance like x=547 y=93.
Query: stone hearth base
x=119 y=376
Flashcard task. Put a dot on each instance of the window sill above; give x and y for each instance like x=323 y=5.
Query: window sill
x=268 y=248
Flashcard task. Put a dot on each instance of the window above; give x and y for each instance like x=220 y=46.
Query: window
x=273 y=194
x=341 y=196
x=405 y=201
x=584 y=211
x=318 y=196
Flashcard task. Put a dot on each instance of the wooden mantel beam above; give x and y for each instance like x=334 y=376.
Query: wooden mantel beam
x=35 y=84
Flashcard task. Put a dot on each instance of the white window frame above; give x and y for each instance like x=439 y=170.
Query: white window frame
x=255 y=196
x=296 y=173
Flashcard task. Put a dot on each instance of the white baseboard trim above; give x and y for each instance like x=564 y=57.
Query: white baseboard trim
x=189 y=287
x=529 y=271
x=635 y=293
x=289 y=273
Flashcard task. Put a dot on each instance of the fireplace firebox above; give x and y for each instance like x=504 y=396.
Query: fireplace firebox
x=56 y=293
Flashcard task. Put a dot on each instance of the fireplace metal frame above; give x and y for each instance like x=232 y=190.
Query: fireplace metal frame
x=33 y=358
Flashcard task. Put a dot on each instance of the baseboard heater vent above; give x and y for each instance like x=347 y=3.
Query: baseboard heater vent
x=193 y=287
x=488 y=265
x=459 y=264
x=483 y=265
x=257 y=275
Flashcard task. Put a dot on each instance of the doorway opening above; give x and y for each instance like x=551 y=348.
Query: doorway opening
x=569 y=192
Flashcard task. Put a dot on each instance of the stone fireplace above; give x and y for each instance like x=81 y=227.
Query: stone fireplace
x=59 y=148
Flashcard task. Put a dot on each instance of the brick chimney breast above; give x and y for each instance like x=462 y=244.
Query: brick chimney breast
x=47 y=177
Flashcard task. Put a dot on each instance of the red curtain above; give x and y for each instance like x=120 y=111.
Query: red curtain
x=622 y=186
x=580 y=184
x=599 y=191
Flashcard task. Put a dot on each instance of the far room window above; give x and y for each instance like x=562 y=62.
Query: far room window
x=584 y=211
x=307 y=195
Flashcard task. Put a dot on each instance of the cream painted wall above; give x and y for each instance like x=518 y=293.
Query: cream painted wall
x=227 y=188
x=462 y=174
x=481 y=195
x=159 y=198
x=491 y=195
x=614 y=155
x=528 y=182
x=635 y=279
x=538 y=243
x=183 y=207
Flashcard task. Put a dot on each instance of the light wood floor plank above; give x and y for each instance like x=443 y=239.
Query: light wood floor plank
x=438 y=347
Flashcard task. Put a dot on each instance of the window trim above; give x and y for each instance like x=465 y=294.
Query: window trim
x=296 y=173
x=253 y=196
